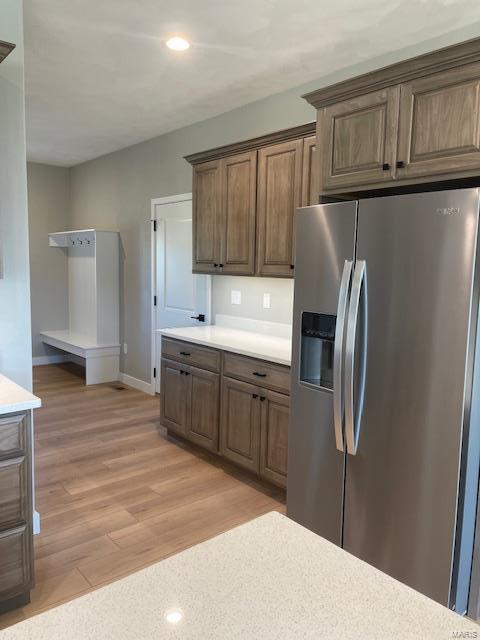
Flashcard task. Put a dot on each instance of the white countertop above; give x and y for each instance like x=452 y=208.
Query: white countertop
x=15 y=398
x=247 y=343
x=270 y=579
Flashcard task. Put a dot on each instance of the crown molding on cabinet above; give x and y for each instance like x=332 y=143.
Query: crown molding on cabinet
x=293 y=133
x=450 y=57
x=5 y=49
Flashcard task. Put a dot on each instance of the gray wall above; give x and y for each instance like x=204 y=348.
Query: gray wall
x=48 y=210
x=15 y=345
x=114 y=192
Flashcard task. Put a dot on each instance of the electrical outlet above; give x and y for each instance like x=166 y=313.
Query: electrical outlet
x=236 y=297
x=266 y=301
x=125 y=348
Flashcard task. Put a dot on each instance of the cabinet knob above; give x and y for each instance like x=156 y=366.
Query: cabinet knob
x=400 y=164
x=386 y=167
x=254 y=396
x=215 y=264
x=262 y=398
x=221 y=264
x=292 y=266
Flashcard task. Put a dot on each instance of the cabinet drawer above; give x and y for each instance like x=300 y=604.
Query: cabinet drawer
x=259 y=372
x=13 y=436
x=13 y=492
x=193 y=354
x=15 y=561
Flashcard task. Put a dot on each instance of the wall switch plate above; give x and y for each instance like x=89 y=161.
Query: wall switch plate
x=125 y=348
x=236 y=297
x=266 y=301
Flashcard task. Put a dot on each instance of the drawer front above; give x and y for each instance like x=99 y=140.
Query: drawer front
x=264 y=374
x=16 y=569
x=13 y=435
x=13 y=492
x=193 y=354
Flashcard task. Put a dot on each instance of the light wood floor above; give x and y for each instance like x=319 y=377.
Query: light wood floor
x=114 y=493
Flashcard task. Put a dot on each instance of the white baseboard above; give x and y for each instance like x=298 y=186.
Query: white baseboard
x=38 y=361
x=130 y=381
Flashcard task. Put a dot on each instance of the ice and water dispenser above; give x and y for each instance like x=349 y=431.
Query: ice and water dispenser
x=318 y=341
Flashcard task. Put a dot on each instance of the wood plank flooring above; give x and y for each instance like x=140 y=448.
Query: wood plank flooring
x=114 y=494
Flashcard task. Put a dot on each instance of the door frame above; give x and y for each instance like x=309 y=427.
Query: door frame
x=181 y=197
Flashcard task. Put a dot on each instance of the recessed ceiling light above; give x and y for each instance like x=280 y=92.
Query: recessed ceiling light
x=178 y=44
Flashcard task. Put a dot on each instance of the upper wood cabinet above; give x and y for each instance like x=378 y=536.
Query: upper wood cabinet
x=238 y=187
x=207 y=223
x=279 y=190
x=414 y=122
x=244 y=201
x=359 y=139
x=310 y=172
x=440 y=123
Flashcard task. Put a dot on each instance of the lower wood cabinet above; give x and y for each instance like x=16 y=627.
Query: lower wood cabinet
x=240 y=425
x=190 y=402
x=254 y=429
x=16 y=510
x=233 y=413
x=174 y=406
x=204 y=397
x=274 y=437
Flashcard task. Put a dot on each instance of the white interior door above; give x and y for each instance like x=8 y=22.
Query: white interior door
x=181 y=296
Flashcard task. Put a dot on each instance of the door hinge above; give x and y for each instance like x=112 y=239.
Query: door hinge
x=154 y=225
x=154 y=372
x=154 y=301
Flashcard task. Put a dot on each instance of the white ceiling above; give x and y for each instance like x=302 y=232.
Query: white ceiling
x=99 y=78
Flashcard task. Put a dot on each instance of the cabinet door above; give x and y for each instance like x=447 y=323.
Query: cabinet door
x=274 y=437
x=239 y=181
x=240 y=424
x=207 y=222
x=204 y=408
x=310 y=172
x=359 y=140
x=14 y=492
x=175 y=397
x=16 y=561
x=440 y=123
x=279 y=193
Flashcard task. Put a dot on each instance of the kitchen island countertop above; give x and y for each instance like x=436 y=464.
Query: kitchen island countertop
x=270 y=579
x=15 y=398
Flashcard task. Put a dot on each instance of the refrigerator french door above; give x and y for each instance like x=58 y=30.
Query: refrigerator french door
x=383 y=458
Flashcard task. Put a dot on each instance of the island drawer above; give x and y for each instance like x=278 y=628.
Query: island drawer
x=202 y=357
x=13 y=435
x=259 y=372
x=13 y=492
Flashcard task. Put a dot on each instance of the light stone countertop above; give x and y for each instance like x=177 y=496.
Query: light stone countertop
x=14 y=398
x=270 y=579
x=247 y=343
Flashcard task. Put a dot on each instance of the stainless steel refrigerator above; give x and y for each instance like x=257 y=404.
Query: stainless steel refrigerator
x=384 y=432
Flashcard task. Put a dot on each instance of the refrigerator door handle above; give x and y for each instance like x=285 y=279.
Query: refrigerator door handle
x=338 y=402
x=353 y=419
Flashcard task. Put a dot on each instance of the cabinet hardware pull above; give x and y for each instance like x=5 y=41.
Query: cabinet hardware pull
x=181 y=372
x=262 y=398
x=215 y=264
x=221 y=264
x=400 y=164
x=184 y=353
x=292 y=266
x=254 y=396
x=187 y=373
x=259 y=375
x=386 y=167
